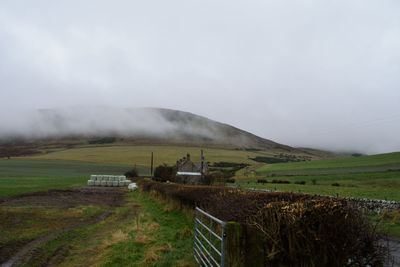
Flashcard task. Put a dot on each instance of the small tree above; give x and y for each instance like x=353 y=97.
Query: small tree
x=164 y=173
x=132 y=173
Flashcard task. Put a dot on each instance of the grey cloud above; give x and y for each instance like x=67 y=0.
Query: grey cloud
x=323 y=74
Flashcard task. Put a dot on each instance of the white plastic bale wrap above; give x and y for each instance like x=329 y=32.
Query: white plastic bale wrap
x=132 y=186
x=108 y=180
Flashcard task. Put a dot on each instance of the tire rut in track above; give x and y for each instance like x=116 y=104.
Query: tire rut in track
x=26 y=252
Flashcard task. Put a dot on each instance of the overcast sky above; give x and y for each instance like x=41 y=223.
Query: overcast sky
x=322 y=74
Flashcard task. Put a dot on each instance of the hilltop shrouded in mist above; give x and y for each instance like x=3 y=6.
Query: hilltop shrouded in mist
x=151 y=124
x=321 y=74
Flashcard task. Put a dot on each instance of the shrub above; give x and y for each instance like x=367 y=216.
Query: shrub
x=280 y=181
x=317 y=233
x=300 y=182
x=104 y=140
x=269 y=160
x=335 y=184
x=262 y=181
x=231 y=181
x=164 y=173
x=132 y=173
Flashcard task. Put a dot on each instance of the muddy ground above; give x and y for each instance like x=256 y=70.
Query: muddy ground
x=15 y=251
x=108 y=196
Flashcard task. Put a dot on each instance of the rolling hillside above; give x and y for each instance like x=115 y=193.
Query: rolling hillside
x=51 y=129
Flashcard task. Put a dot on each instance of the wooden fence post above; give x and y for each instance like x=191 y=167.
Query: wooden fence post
x=234 y=245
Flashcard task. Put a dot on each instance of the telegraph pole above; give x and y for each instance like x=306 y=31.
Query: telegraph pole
x=151 y=164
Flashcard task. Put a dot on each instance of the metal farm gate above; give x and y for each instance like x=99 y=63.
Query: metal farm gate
x=209 y=240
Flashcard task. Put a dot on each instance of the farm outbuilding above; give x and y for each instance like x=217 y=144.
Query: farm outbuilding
x=189 y=172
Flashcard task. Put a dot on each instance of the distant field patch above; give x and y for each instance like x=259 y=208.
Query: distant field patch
x=378 y=162
x=21 y=175
x=140 y=155
x=361 y=187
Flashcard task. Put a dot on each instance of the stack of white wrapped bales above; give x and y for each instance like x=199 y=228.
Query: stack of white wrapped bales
x=108 y=180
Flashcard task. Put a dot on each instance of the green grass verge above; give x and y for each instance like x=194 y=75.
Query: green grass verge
x=161 y=238
x=389 y=222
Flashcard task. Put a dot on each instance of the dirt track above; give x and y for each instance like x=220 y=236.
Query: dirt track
x=96 y=196
x=107 y=196
x=26 y=252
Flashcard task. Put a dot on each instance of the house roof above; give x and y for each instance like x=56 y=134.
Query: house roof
x=189 y=173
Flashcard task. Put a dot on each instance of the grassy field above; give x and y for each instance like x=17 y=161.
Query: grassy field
x=384 y=188
x=22 y=175
x=376 y=176
x=72 y=167
x=141 y=155
x=380 y=162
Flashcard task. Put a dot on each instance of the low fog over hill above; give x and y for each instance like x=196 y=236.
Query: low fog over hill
x=140 y=124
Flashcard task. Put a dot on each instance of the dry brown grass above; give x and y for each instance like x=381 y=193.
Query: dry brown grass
x=170 y=204
x=116 y=237
x=184 y=233
x=142 y=239
x=152 y=226
x=150 y=256
x=183 y=263
x=153 y=254
x=144 y=230
x=392 y=216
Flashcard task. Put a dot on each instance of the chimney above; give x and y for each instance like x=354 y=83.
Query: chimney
x=188 y=156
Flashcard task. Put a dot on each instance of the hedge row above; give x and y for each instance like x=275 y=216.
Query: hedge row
x=291 y=229
x=227 y=204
